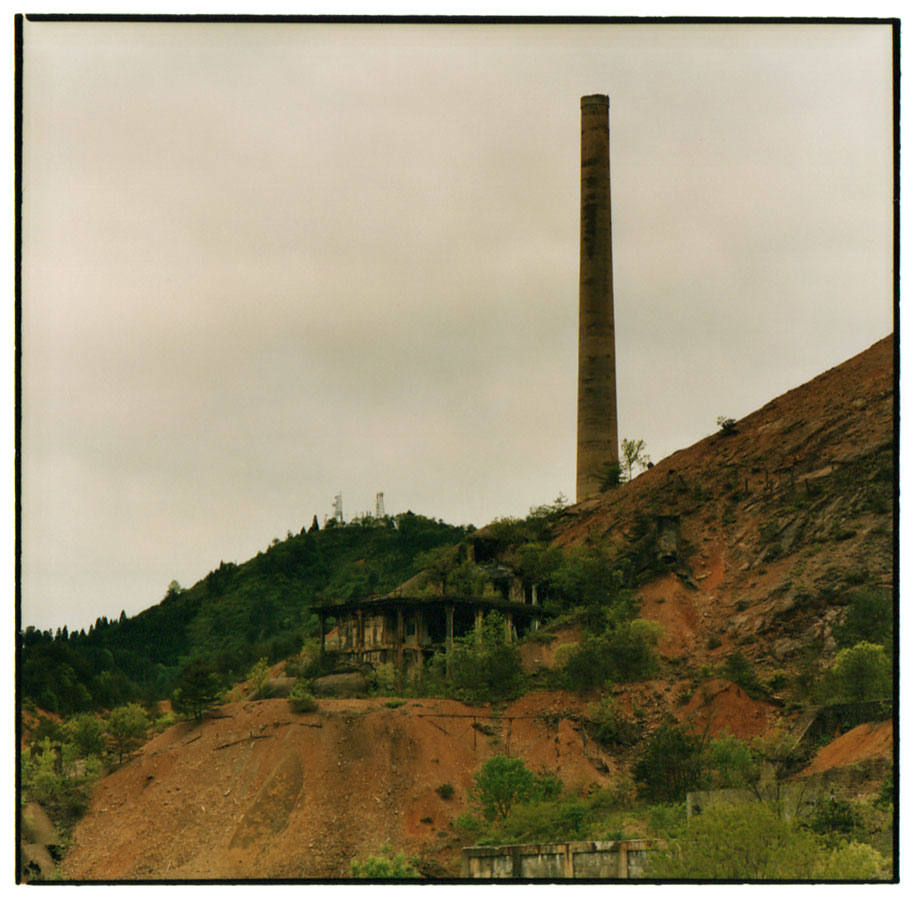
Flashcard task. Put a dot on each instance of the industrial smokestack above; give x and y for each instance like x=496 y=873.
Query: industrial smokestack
x=597 y=428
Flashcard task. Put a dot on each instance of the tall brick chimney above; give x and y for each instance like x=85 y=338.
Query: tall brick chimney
x=597 y=428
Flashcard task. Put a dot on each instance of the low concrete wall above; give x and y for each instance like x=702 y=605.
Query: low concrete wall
x=603 y=860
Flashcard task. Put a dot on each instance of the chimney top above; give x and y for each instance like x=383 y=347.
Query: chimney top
x=595 y=100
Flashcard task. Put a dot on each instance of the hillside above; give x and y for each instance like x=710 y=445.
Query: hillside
x=757 y=542
x=233 y=616
x=778 y=522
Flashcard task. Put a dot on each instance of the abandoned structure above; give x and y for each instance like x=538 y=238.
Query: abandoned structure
x=597 y=424
x=576 y=859
x=407 y=626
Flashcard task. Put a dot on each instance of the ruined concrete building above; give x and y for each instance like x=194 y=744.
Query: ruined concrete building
x=409 y=625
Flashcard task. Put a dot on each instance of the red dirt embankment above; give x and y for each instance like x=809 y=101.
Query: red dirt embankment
x=868 y=741
x=264 y=792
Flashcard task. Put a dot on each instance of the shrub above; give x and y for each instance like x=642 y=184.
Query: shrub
x=863 y=672
x=733 y=760
x=126 y=728
x=751 y=841
x=300 y=697
x=58 y=779
x=670 y=765
x=385 y=865
x=608 y=727
x=869 y=617
x=485 y=672
x=383 y=679
x=502 y=781
x=445 y=791
x=726 y=425
x=257 y=679
x=565 y=819
x=624 y=653
x=666 y=819
x=163 y=722
x=87 y=733
x=198 y=688
x=611 y=476
x=739 y=669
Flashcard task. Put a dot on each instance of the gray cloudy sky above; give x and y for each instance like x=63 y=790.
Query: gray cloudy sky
x=266 y=263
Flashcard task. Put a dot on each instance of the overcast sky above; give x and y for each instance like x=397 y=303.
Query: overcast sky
x=267 y=263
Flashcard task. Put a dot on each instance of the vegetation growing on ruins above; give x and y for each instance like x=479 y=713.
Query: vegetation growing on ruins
x=231 y=618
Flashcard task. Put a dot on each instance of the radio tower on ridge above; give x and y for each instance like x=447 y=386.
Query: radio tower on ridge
x=379 y=505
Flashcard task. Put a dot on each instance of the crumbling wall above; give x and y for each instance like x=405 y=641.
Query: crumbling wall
x=604 y=860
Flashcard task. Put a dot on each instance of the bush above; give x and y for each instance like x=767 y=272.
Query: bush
x=383 y=679
x=869 y=617
x=482 y=672
x=163 y=722
x=622 y=654
x=863 y=672
x=751 y=841
x=670 y=765
x=257 y=679
x=609 y=728
x=445 y=791
x=58 y=779
x=385 y=865
x=87 y=733
x=564 y=819
x=739 y=669
x=300 y=697
x=667 y=819
x=198 y=688
x=126 y=728
x=502 y=781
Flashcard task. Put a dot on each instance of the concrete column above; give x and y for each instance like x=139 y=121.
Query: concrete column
x=597 y=424
x=508 y=628
x=478 y=625
x=449 y=638
x=398 y=637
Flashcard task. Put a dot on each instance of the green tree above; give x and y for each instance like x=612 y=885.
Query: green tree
x=751 y=841
x=863 y=672
x=87 y=733
x=198 y=688
x=503 y=781
x=633 y=453
x=868 y=617
x=739 y=669
x=621 y=654
x=126 y=728
x=490 y=670
x=437 y=564
x=670 y=765
x=611 y=476
x=258 y=677
x=733 y=761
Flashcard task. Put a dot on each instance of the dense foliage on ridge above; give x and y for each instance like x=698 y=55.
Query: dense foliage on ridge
x=232 y=617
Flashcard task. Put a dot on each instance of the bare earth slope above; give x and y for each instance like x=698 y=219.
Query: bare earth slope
x=266 y=793
x=777 y=524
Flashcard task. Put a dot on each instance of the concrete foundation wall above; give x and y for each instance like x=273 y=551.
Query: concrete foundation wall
x=605 y=860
